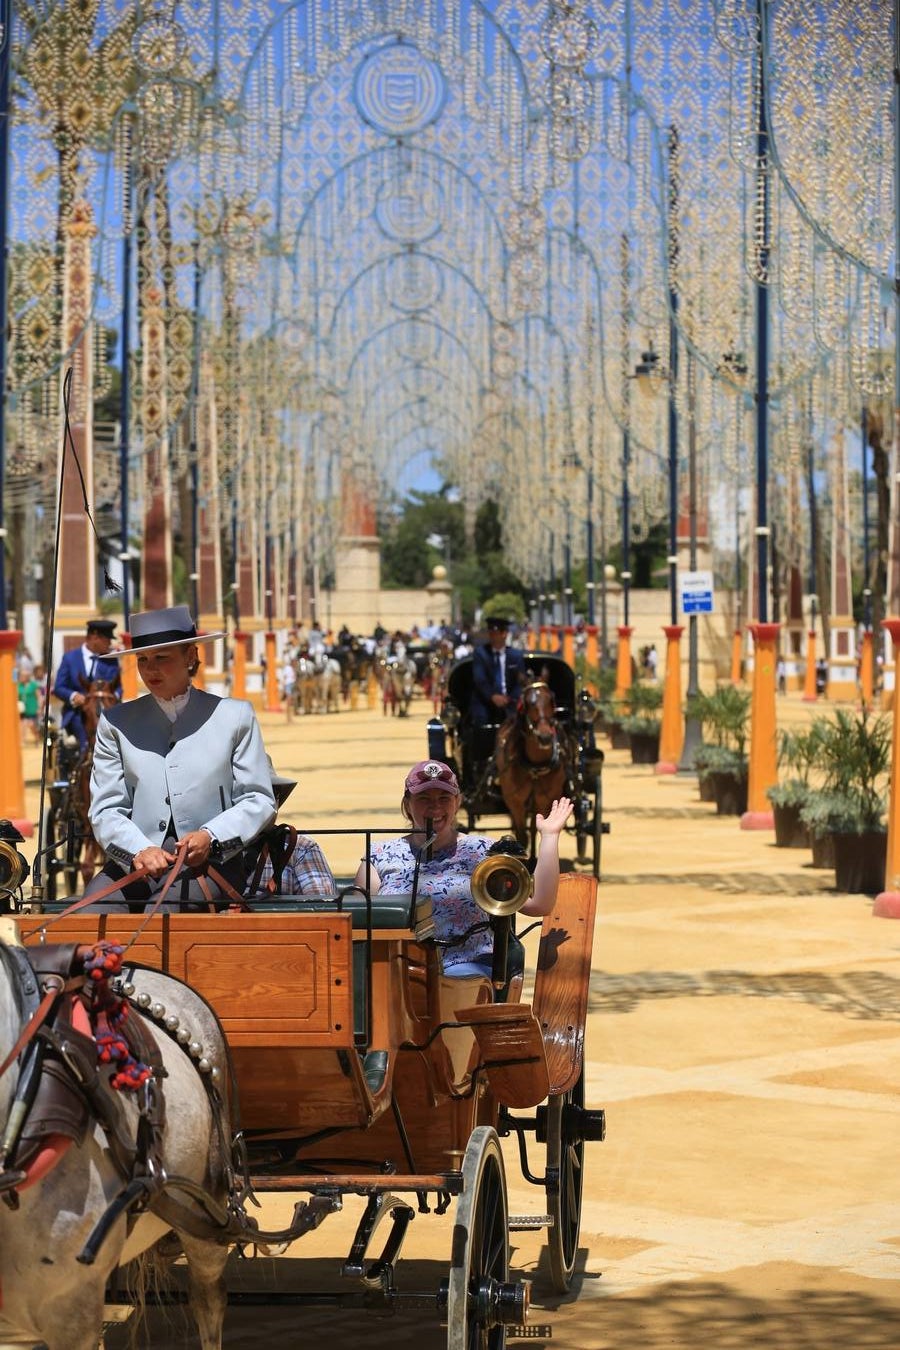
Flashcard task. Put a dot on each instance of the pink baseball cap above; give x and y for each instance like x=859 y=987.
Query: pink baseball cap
x=428 y=774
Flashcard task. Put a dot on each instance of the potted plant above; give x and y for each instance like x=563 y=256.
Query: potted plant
x=797 y=753
x=853 y=757
x=643 y=722
x=613 y=712
x=722 y=758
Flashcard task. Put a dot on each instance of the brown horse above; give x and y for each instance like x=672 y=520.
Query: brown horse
x=531 y=753
x=76 y=800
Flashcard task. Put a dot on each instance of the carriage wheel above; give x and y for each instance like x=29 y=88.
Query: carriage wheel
x=480 y=1299
x=565 y=1181
x=597 y=823
x=54 y=866
x=582 y=808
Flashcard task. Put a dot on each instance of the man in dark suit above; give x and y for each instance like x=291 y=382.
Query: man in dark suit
x=498 y=673
x=81 y=665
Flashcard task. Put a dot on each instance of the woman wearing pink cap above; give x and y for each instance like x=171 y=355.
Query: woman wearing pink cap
x=430 y=803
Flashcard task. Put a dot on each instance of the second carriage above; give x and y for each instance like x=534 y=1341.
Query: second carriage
x=470 y=749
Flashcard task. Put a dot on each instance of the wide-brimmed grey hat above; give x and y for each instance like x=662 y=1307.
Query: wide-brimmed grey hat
x=168 y=627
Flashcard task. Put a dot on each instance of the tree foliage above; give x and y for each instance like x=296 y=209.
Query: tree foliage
x=409 y=549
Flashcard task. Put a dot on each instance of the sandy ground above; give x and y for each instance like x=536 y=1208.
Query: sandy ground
x=744 y=1038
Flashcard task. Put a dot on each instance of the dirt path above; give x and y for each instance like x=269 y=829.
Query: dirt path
x=744 y=1037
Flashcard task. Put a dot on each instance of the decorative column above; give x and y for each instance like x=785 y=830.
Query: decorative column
x=623 y=661
x=793 y=634
x=239 y=666
x=273 y=703
x=156 y=572
x=568 y=644
x=887 y=904
x=867 y=668
x=12 y=781
x=591 y=651
x=76 y=585
x=842 y=628
x=763 y=772
x=209 y=527
x=128 y=672
x=671 y=735
x=810 y=691
x=737 y=652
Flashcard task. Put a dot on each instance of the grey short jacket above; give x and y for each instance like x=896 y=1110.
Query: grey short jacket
x=208 y=768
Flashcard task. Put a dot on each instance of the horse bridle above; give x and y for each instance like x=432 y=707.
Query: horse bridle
x=544 y=739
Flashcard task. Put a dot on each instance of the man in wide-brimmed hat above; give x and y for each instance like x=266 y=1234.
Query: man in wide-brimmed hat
x=179 y=766
x=79 y=668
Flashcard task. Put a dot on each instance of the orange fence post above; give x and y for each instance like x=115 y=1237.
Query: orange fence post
x=12 y=774
x=239 y=666
x=568 y=644
x=671 y=733
x=810 y=692
x=736 y=644
x=273 y=702
x=623 y=661
x=199 y=675
x=867 y=668
x=887 y=904
x=591 y=651
x=129 y=672
x=763 y=772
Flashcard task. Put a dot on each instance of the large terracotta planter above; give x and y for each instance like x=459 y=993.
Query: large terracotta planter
x=790 y=832
x=859 y=861
x=619 y=738
x=822 y=846
x=730 y=792
x=644 y=747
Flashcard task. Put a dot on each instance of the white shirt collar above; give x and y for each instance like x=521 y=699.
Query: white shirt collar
x=173 y=707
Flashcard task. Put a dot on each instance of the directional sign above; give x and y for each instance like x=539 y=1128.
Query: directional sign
x=696 y=592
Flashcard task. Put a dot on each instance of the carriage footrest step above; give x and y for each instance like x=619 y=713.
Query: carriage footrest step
x=520 y=1223
x=113 y=1313
x=540 y=1331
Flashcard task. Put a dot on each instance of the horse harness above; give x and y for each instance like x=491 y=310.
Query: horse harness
x=60 y=1086
x=522 y=727
x=61 y=1090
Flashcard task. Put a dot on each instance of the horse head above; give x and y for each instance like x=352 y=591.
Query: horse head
x=537 y=713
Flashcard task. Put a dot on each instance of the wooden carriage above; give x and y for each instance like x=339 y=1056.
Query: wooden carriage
x=469 y=750
x=361 y=1068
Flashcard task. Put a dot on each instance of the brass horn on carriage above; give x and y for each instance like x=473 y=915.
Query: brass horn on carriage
x=13 y=867
x=501 y=885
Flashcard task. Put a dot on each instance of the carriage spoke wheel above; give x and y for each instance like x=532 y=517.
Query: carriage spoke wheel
x=597 y=823
x=480 y=1299
x=565 y=1181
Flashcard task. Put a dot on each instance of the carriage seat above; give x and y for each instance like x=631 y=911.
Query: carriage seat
x=387 y=911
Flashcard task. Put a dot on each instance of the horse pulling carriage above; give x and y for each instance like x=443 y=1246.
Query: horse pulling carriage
x=358 y=1069
x=545 y=750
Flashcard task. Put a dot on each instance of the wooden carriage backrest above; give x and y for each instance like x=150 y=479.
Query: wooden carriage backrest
x=562 y=978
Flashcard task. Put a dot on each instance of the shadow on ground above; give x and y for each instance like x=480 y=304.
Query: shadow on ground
x=676 y=1316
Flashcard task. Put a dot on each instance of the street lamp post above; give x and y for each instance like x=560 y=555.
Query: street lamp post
x=693 y=727
x=762 y=771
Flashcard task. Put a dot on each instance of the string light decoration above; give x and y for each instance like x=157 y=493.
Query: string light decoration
x=390 y=236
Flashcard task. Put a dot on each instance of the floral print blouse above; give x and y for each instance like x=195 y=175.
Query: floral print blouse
x=446 y=878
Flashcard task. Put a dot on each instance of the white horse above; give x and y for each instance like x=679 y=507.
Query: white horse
x=398 y=680
x=48 y=1294
x=330 y=684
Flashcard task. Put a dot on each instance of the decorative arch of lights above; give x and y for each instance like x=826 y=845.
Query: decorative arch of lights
x=384 y=234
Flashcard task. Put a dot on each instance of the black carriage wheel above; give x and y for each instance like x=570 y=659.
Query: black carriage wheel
x=582 y=822
x=597 y=822
x=49 y=868
x=480 y=1258
x=565 y=1183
